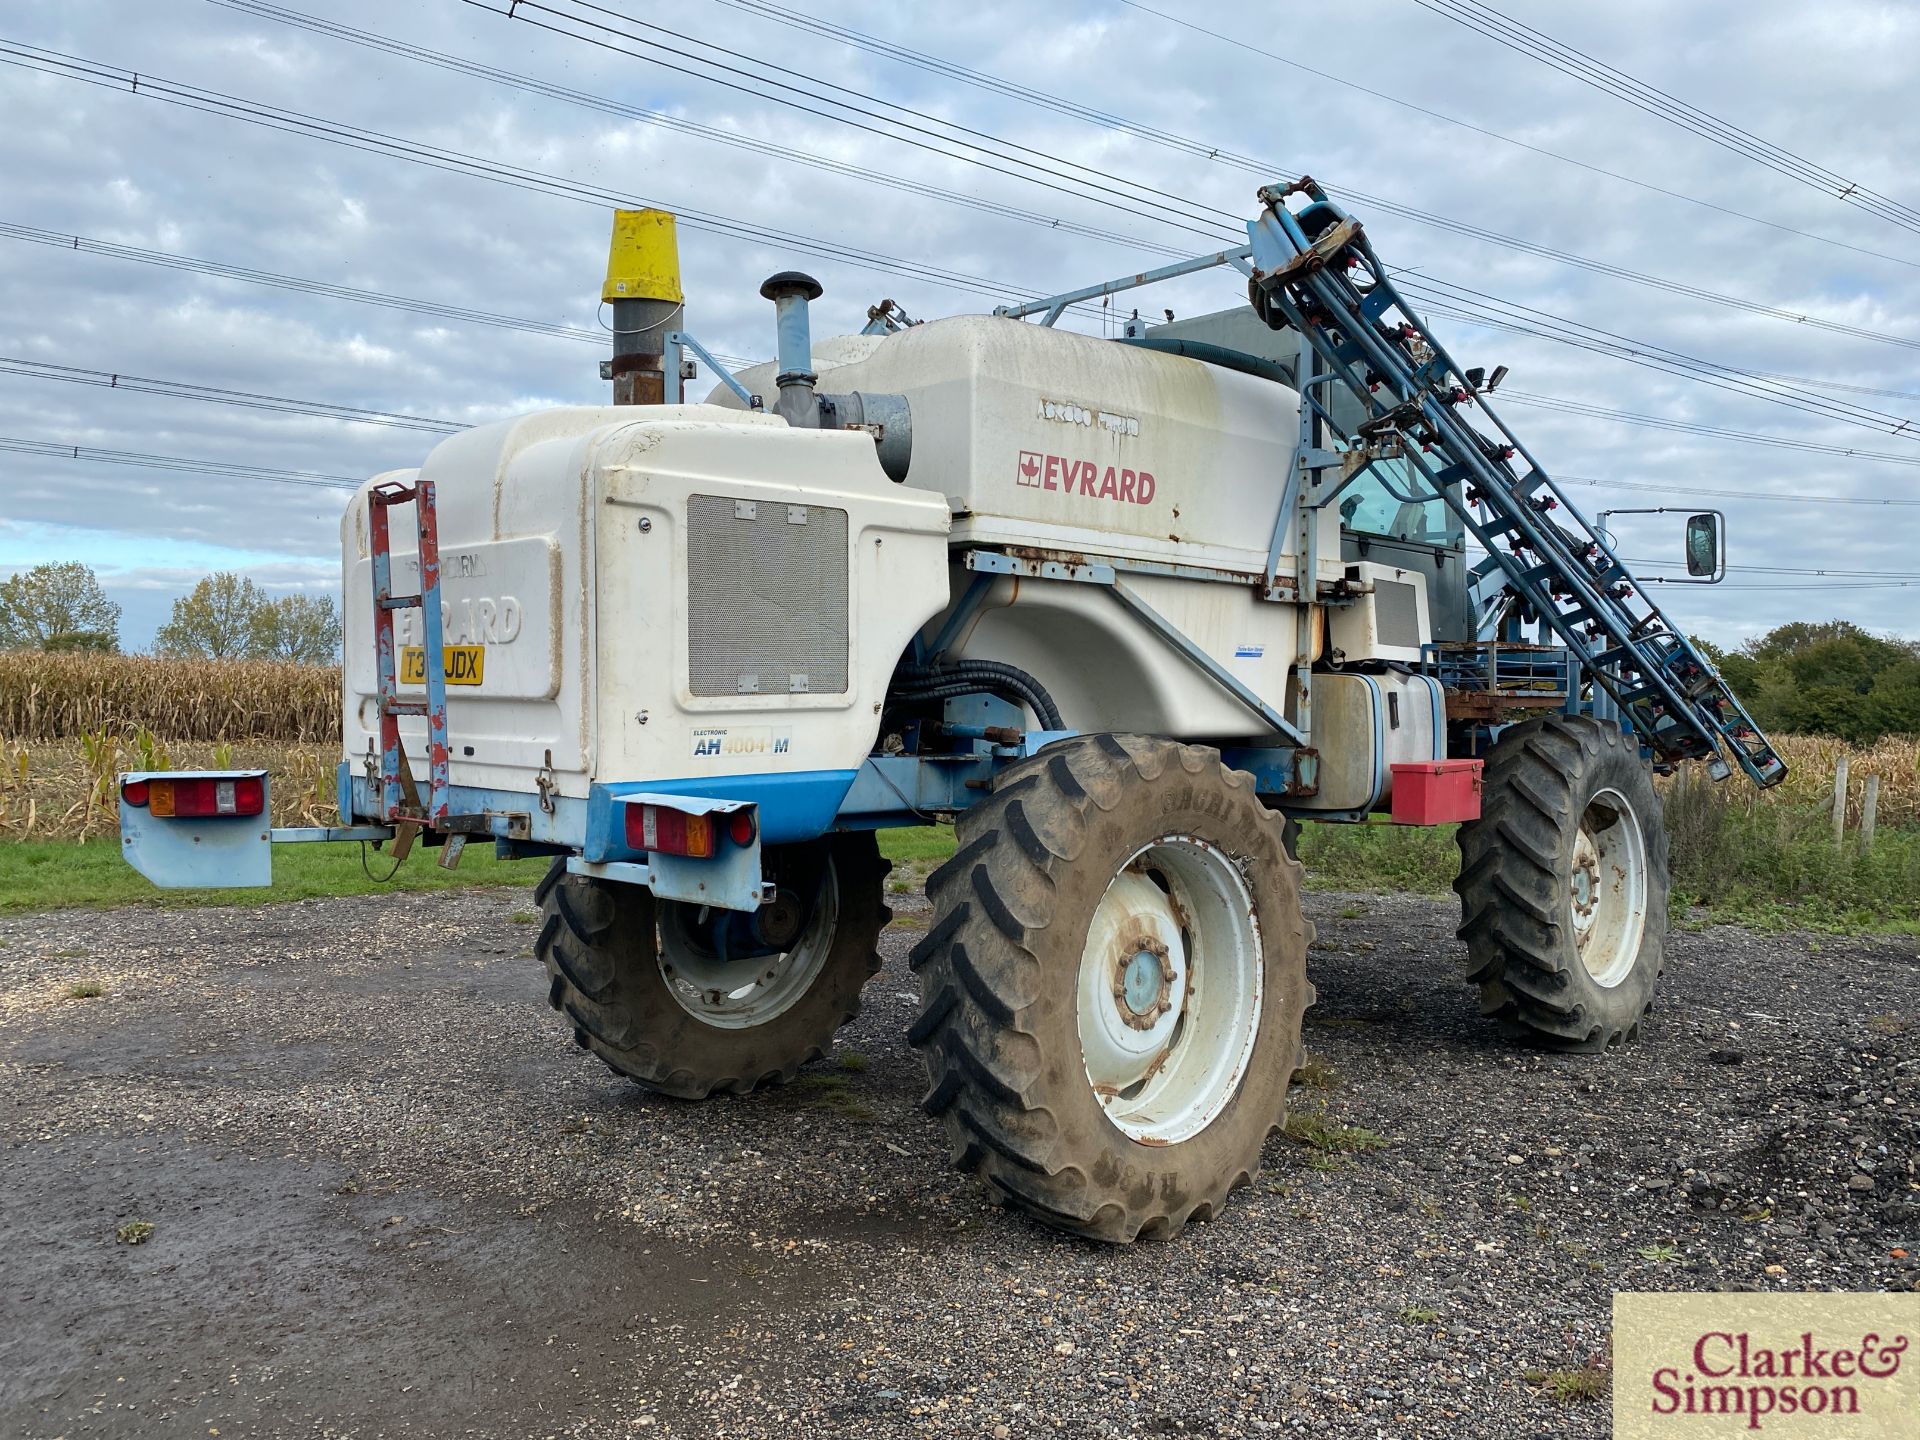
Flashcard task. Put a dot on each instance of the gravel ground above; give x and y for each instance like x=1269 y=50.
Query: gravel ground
x=389 y=1197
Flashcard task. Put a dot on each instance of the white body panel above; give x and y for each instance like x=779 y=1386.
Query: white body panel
x=986 y=392
x=1038 y=439
x=1387 y=622
x=584 y=615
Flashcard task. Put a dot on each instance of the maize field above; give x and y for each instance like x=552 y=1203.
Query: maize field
x=70 y=723
x=68 y=697
x=69 y=789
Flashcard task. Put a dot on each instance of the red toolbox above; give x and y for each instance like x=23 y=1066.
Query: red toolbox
x=1436 y=792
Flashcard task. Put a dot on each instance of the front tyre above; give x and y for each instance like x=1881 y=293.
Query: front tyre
x=683 y=999
x=1563 y=884
x=1112 y=985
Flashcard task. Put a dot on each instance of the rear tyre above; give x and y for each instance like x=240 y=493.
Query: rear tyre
x=1112 y=985
x=1563 y=884
x=649 y=990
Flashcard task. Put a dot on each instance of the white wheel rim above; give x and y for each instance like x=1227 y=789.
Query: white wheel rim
x=739 y=994
x=1609 y=888
x=1169 y=990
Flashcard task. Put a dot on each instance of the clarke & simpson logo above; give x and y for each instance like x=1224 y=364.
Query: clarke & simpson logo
x=1730 y=1375
x=1786 y=1364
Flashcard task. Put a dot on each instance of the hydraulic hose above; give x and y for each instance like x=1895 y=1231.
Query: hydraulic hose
x=963 y=677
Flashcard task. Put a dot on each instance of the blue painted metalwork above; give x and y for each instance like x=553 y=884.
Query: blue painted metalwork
x=993 y=562
x=1276 y=769
x=216 y=852
x=504 y=814
x=1564 y=571
x=912 y=789
x=794 y=805
x=325 y=834
x=1053 y=306
x=793 y=333
x=680 y=340
x=958 y=618
x=729 y=878
x=730 y=881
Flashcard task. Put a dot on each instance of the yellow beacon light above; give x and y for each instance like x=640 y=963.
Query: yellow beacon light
x=643 y=262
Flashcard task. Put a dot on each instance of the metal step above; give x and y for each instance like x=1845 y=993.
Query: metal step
x=399 y=797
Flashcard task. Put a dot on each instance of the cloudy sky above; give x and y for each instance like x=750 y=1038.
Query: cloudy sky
x=600 y=113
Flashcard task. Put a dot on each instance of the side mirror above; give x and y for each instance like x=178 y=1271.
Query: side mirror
x=1706 y=555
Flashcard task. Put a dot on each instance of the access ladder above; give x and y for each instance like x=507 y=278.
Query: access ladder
x=399 y=796
x=1313 y=270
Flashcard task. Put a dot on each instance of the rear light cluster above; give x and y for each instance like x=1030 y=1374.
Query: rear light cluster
x=198 y=798
x=663 y=830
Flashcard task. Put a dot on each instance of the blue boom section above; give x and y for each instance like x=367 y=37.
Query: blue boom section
x=1315 y=272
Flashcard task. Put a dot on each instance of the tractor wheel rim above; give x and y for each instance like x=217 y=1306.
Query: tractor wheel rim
x=1169 y=990
x=1608 y=888
x=740 y=994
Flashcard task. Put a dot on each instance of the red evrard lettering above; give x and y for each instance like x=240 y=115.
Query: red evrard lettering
x=1085 y=477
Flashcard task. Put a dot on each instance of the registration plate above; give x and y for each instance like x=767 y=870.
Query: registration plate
x=464 y=664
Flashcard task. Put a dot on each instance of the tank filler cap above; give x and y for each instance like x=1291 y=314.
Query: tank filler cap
x=791 y=282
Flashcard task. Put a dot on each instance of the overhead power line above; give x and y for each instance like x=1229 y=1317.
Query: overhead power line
x=271 y=117
x=1659 y=422
x=903 y=123
x=84 y=245
x=258 y=6
x=528 y=84
x=311 y=478
x=60 y=240
x=1535 y=44
x=1242 y=42
x=213 y=394
x=1693 y=492
x=1793 y=392
x=1225 y=223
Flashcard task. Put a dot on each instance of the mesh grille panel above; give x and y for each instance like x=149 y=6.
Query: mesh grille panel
x=767 y=597
x=1396 y=611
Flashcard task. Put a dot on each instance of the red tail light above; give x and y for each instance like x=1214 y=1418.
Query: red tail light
x=669 y=832
x=743 y=826
x=203 y=797
x=134 y=792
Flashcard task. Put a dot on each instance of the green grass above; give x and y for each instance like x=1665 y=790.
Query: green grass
x=86 y=990
x=1571 y=1386
x=61 y=874
x=917 y=844
x=831 y=1091
x=1312 y=1129
x=1316 y=1074
x=1379 y=856
x=1772 y=866
x=134 y=1232
x=1769 y=867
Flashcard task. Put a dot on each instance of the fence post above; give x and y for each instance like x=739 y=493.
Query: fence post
x=1869 y=812
x=1840 y=803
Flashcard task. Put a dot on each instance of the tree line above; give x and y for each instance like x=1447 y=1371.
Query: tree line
x=1827 y=677
x=1806 y=678
x=62 y=607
